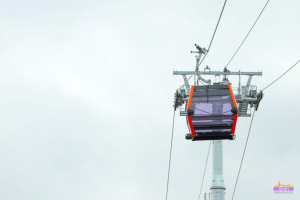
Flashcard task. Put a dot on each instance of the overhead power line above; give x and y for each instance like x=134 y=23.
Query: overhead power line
x=282 y=75
x=214 y=32
x=243 y=155
x=170 y=157
x=248 y=33
x=204 y=170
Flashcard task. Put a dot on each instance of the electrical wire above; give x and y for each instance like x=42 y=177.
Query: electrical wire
x=170 y=156
x=243 y=155
x=248 y=33
x=214 y=32
x=282 y=75
x=204 y=170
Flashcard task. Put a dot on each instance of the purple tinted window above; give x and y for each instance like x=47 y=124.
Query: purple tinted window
x=212 y=111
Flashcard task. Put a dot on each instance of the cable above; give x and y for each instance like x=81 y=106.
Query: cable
x=251 y=125
x=170 y=157
x=248 y=33
x=204 y=169
x=214 y=32
x=210 y=40
x=282 y=75
x=203 y=111
x=203 y=83
x=243 y=155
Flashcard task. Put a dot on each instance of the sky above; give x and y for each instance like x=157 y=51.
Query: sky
x=87 y=92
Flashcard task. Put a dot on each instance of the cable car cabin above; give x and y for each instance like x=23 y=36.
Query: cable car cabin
x=211 y=113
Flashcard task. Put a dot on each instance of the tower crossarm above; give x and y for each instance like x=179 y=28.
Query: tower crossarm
x=217 y=73
x=247 y=96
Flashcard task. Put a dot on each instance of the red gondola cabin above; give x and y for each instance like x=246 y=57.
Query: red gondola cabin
x=211 y=113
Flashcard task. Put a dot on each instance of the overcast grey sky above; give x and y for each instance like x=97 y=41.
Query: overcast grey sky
x=87 y=92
